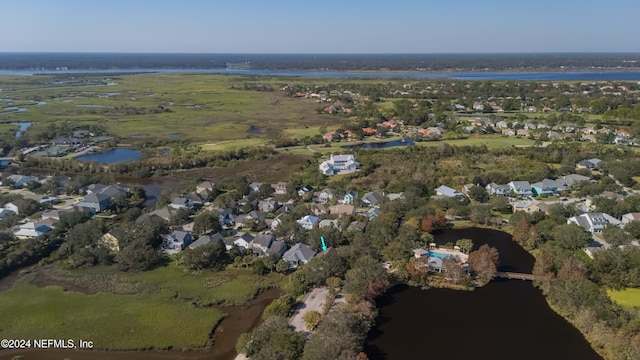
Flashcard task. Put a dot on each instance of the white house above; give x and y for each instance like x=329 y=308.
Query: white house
x=594 y=222
x=31 y=230
x=521 y=188
x=308 y=222
x=339 y=164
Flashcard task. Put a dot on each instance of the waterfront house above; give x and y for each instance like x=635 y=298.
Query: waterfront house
x=299 y=254
x=176 y=241
x=594 y=222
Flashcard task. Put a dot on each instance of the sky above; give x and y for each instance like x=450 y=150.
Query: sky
x=321 y=26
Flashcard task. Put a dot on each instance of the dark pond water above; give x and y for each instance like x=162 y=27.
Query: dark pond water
x=152 y=188
x=113 y=156
x=381 y=145
x=507 y=319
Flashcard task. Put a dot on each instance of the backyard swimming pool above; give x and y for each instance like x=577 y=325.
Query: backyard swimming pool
x=438 y=255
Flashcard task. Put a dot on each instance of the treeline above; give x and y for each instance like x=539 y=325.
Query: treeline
x=466 y=62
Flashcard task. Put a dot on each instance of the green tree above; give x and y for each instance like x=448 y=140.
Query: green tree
x=571 y=237
x=209 y=256
x=478 y=193
x=366 y=280
x=615 y=236
x=466 y=245
x=206 y=221
x=311 y=319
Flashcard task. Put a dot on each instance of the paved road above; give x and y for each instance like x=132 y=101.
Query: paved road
x=313 y=301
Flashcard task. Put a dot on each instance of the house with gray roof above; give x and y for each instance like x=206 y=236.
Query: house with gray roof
x=268 y=205
x=448 y=192
x=594 y=222
x=496 y=189
x=181 y=203
x=266 y=244
x=545 y=187
x=521 y=188
x=177 y=241
x=371 y=199
x=591 y=164
x=206 y=240
x=299 y=254
x=98 y=202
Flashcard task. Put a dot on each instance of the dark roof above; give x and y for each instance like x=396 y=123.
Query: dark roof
x=205 y=240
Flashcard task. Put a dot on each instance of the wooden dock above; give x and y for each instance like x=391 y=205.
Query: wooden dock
x=514 y=275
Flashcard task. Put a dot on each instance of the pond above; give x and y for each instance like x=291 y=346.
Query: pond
x=23 y=127
x=507 y=319
x=381 y=145
x=113 y=156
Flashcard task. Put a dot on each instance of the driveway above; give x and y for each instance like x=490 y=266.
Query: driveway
x=313 y=301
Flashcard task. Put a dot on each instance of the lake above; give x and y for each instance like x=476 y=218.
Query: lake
x=381 y=145
x=113 y=156
x=488 y=75
x=507 y=319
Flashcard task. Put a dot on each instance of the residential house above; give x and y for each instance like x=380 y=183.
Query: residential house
x=395 y=196
x=253 y=216
x=495 y=189
x=226 y=217
x=508 y=132
x=246 y=201
x=326 y=195
x=265 y=245
x=242 y=241
x=342 y=209
x=276 y=221
x=12 y=207
x=526 y=206
x=611 y=196
x=545 y=187
x=181 y=203
x=299 y=254
x=448 y=192
x=372 y=213
x=591 y=164
x=308 y=222
x=98 y=202
x=20 y=181
x=349 y=198
x=305 y=190
x=589 y=138
x=630 y=217
x=357 y=226
x=268 y=205
x=319 y=209
x=521 y=188
x=371 y=199
x=567 y=181
x=164 y=213
x=339 y=164
x=594 y=222
x=207 y=185
x=31 y=230
x=177 y=241
x=5 y=212
x=281 y=188
x=328 y=223
x=206 y=240
x=522 y=132
x=255 y=187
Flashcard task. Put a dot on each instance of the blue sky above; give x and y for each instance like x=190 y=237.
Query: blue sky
x=322 y=26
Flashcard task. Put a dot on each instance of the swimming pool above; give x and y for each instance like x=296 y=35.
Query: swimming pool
x=437 y=255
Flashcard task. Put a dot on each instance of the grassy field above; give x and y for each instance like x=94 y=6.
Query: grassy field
x=490 y=141
x=150 y=308
x=112 y=321
x=627 y=297
x=200 y=107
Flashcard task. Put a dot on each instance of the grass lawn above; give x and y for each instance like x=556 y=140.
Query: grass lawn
x=126 y=322
x=229 y=287
x=629 y=297
x=233 y=144
x=491 y=142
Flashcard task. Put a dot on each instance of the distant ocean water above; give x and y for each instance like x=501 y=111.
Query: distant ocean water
x=504 y=76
